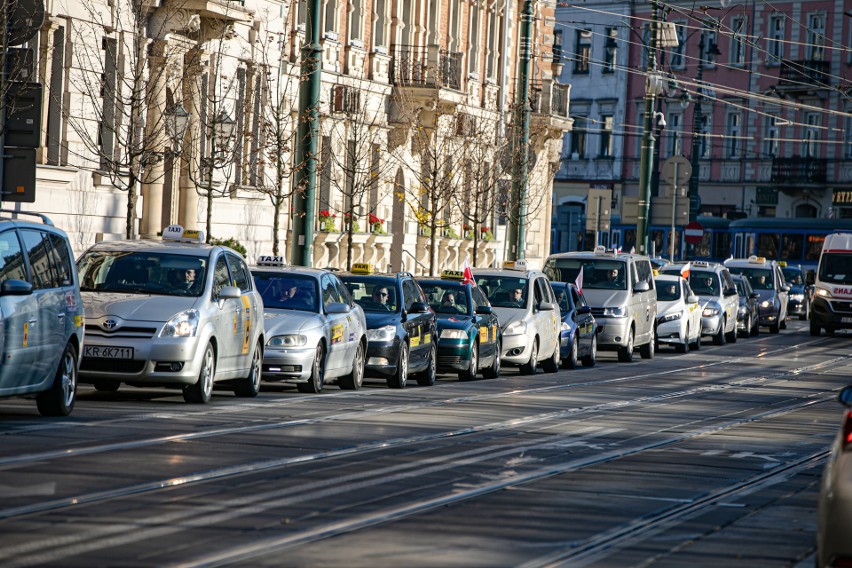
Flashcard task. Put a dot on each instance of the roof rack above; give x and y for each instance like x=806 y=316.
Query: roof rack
x=44 y=218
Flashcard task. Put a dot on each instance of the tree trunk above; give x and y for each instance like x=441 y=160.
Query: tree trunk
x=275 y=226
x=476 y=231
x=210 y=211
x=349 y=231
x=130 y=221
x=433 y=236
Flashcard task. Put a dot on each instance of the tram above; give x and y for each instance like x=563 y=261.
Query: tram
x=715 y=245
x=796 y=241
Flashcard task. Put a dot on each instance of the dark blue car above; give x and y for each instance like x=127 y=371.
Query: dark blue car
x=578 y=338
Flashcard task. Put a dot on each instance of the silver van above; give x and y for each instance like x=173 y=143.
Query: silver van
x=767 y=279
x=620 y=288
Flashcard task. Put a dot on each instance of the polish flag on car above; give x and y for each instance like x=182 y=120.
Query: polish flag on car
x=685 y=270
x=468 y=273
x=579 y=281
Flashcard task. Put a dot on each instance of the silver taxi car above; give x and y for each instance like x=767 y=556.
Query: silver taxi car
x=171 y=312
x=529 y=317
x=315 y=330
x=766 y=278
x=718 y=297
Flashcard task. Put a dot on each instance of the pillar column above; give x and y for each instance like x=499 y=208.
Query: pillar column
x=155 y=135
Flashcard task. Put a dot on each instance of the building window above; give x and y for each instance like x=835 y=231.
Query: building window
x=330 y=17
x=775 y=45
x=583 y=52
x=710 y=38
x=578 y=137
x=675 y=130
x=815 y=47
x=705 y=143
x=303 y=13
x=473 y=40
x=494 y=28
x=738 y=44
x=606 y=136
x=355 y=20
x=646 y=46
x=676 y=53
x=770 y=137
x=610 y=50
x=455 y=19
x=557 y=46
x=379 y=33
x=732 y=135
x=848 y=137
x=810 y=140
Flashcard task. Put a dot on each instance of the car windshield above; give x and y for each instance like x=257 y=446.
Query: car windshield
x=504 y=291
x=598 y=273
x=560 y=290
x=704 y=283
x=793 y=276
x=285 y=291
x=836 y=268
x=667 y=291
x=446 y=298
x=376 y=295
x=759 y=278
x=142 y=273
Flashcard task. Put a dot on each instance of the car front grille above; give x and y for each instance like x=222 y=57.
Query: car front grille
x=449 y=359
x=597 y=312
x=112 y=365
x=128 y=332
x=845 y=307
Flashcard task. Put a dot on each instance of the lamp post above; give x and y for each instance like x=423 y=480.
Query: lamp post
x=653 y=85
x=177 y=120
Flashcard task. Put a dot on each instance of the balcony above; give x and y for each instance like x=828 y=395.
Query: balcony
x=549 y=104
x=804 y=75
x=798 y=170
x=422 y=75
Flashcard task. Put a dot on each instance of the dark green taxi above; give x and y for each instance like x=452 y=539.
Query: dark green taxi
x=468 y=330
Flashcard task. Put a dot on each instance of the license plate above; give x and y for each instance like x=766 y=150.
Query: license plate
x=845 y=320
x=103 y=352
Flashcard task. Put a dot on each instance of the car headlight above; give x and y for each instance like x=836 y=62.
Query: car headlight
x=709 y=312
x=798 y=297
x=823 y=292
x=453 y=334
x=386 y=333
x=614 y=312
x=766 y=304
x=742 y=310
x=293 y=340
x=184 y=324
x=565 y=326
x=516 y=328
x=671 y=317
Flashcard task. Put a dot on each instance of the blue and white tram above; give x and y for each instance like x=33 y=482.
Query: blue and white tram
x=797 y=241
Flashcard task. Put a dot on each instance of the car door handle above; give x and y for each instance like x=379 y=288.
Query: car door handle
x=61 y=315
x=32 y=321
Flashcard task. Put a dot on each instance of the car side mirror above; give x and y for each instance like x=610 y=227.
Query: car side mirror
x=730 y=291
x=642 y=286
x=785 y=288
x=547 y=306
x=15 y=287
x=484 y=310
x=419 y=308
x=229 y=293
x=845 y=396
x=810 y=277
x=338 y=308
x=754 y=296
x=583 y=310
x=693 y=299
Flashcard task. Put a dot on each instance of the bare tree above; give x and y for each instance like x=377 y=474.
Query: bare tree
x=359 y=135
x=122 y=120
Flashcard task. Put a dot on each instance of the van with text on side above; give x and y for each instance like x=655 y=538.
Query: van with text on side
x=831 y=307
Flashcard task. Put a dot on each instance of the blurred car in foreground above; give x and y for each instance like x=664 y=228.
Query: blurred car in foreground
x=578 y=337
x=834 y=521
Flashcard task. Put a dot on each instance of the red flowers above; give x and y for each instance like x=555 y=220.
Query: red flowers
x=326 y=214
x=485 y=229
x=374 y=220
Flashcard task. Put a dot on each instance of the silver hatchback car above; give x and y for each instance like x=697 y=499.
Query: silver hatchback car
x=171 y=312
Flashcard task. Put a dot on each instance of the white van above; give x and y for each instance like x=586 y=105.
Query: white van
x=831 y=307
x=620 y=289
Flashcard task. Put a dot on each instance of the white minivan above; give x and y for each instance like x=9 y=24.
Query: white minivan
x=831 y=307
x=620 y=289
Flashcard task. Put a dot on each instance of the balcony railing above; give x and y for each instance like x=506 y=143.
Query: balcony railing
x=423 y=67
x=549 y=98
x=799 y=170
x=803 y=74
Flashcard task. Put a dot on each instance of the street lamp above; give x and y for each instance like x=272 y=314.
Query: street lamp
x=697 y=119
x=223 y=127
x=177 y=120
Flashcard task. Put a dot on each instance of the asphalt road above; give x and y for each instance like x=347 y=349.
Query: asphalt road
x=708 y=458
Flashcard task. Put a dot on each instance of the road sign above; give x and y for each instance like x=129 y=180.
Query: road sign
x=677 y=169
x=693 y=233
x=598 y=209
x=23 y=114
x=19 y=175
x=25 y=20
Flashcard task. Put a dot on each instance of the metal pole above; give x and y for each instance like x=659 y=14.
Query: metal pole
x=306 y=140
x=696 y=139
x=598 y=224
x=4 y=57
x=674 y=213
x=516 y=230
x=647 y=140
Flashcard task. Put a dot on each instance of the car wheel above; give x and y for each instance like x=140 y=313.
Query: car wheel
x=807 y=313
x=493 y=371
x=317 y=378
x=625 y=354
x=551 y=364
x=755 y=327
x=783 y=324
x=427 y=378
x=529 y=367
x=59 y=400
x=398 y=380
x=249 y=386
x=774 y=328
x=815 y=329
x=591 y=359
x=697 y=344
x=647 y=350
x=683 y=347
x=470 y=373
x=202 y=390
x=570 y=362
x=731 y=336
x=355 y=378
x=106 y=386
x=719 y=338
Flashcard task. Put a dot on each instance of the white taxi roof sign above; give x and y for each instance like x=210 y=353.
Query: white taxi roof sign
x=700 y=263
x=178 y=234
x=452 y=274
x=362 y=268
x=266 y=260
x=757 y=259
x=519 y=264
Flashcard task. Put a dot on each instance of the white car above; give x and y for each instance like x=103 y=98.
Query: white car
x=678 y=314
x=171 y=312
x=834 y=521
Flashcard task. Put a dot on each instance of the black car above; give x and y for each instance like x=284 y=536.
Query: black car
x=468 y=331
x=799 y=298
x=401 y=327
x=578 y=336
x=748 y=314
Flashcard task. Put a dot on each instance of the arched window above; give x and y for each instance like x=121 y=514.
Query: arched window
x=806 y=211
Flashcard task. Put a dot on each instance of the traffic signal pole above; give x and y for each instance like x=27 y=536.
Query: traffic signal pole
x=4 y=58
x=651 y=86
